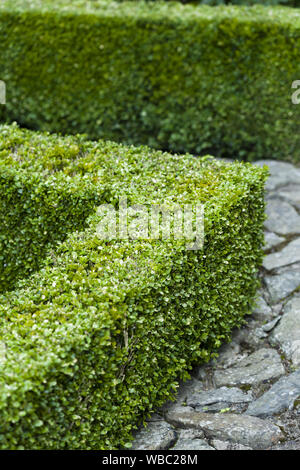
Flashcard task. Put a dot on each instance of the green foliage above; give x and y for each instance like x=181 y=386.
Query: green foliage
x=35 y=215
x=183 y=78
x=98 y=337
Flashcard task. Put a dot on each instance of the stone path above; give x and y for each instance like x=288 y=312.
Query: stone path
x=249 y=397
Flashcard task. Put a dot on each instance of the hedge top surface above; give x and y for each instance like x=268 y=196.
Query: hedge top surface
x=157 y=10
x=50 y=171
x=139 y=173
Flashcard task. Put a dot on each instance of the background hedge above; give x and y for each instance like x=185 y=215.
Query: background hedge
x=98 y=337
x=172 y=76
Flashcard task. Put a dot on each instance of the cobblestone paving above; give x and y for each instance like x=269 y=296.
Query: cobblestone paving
x=249 y=397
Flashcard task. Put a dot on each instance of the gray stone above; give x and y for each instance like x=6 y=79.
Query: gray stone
x=260 y=333
x=282 y=285
x=260 y=367
x=219 y=399
x=272 y=240
x=184 y=390
x=288 y=255
x=190 y=434
x=192 y=444
x=287 y=333
x=200 y=373
x=223 y=394
x=228 y=354
x=282 y=217
x=250 y=337
x=191 y=439
x=156 y=417
x=291 y=193
x=277 y=309
x=288 y=445
x=242 y=429
x=225 y=445
x=289 y=421
x=285 y=269
x=281 y=173
x=281 y=396
x=271 y=325
x=262 y=311
x=158 y=435
x=174 y=406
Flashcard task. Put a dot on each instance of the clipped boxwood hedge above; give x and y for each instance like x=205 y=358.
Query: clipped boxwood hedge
x=172 y=76
x=97 y=338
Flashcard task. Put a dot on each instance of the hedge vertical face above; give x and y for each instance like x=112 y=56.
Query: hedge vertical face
x=99 y=335
x=210 y=79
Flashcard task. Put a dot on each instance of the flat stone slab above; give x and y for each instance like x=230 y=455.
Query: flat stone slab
x=267 y=327
x=281 y=173
x=282 y=218
x=190 y=434
x=281 y=396
x=194 y=444
x=241 y=429
x=287 y=333
x=272 y=240
x=288 y=445
x=282 y=285
x=184 y=390
x=262 y=311
x=291 y=193
x=288 y=255
x=218 y=399
x=225 y=445
x=250 y=337
x=229 y=354
x=260 y=367
x=158 y=435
